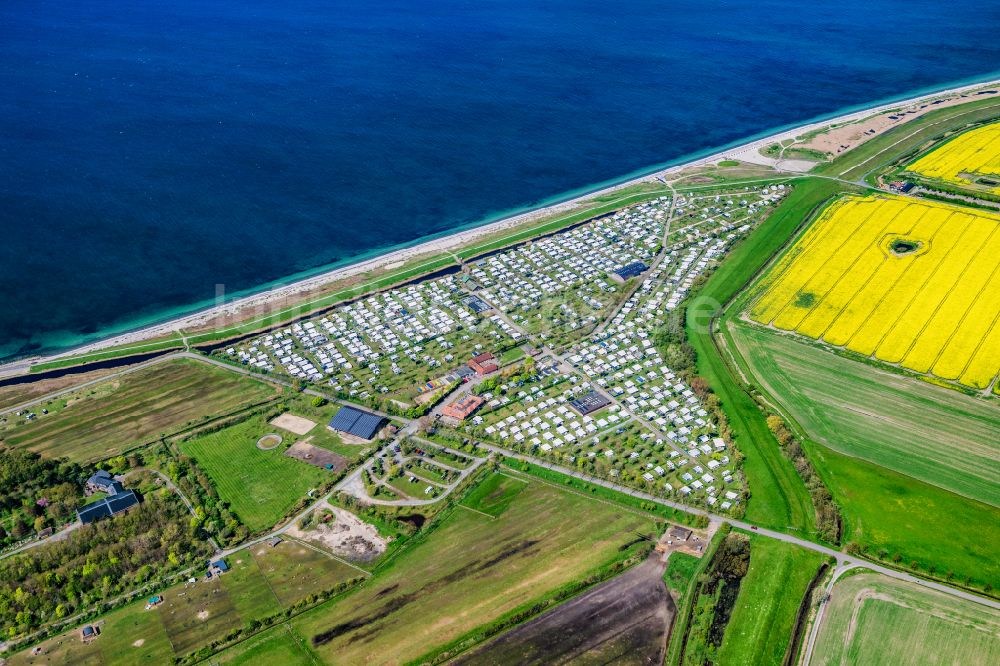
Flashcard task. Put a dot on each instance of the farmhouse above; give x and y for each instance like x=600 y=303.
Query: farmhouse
x=463 y=408
x=356 y=422
x=217 y=568
x=679 y=533
x=119 y=499
x=101 y=482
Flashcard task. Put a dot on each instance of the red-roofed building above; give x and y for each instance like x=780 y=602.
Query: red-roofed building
x=463 y=408
x=484 y=364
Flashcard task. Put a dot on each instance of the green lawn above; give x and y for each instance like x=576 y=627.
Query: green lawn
x=105 y=419
x=260 y=486
x=469 y=571
x=763 y=618
x=494 y=494
x=892 y=515
x=779 y=498
x=874 y=619
x=681 y=569
x=936 y=435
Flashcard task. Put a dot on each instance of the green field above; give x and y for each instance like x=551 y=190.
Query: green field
x=278 y=646
x=259 y=584
x=105 y=419
x=260 y=486
x=681 y=568
x=763 y=618
x=494 y=494
x=939 y=436
x=891 y=515
x=778 y=498
x=874 y=619
x=470 y=571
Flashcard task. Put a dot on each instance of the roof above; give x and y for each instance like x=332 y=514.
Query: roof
x=631 y=270
x=589 y=402
x=356 y=422
x=482 y=358
x=220 y=565
x=101 y=478
x=108 y=506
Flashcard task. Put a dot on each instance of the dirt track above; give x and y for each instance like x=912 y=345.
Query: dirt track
x=622 y=621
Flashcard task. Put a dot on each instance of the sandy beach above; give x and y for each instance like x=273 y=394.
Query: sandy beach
x=874 y=124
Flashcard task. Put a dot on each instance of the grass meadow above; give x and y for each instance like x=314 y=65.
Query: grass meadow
x=763 y=618
x=874 y=619
x=105 y=419
x=911 y=524
x=469 y=571
x=936 y=435
x=260 y=486
x=260 y=583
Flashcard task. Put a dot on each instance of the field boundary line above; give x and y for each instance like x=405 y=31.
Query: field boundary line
x=481 y=513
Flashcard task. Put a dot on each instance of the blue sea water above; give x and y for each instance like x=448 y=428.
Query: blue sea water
x=150 y=151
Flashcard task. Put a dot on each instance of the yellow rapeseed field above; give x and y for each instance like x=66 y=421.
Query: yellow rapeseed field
x=906 y=281
x=965 y=159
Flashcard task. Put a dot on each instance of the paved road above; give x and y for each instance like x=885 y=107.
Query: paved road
x=818 y=621
x=843 y=559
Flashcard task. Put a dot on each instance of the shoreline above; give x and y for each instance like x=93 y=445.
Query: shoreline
x=390 y=259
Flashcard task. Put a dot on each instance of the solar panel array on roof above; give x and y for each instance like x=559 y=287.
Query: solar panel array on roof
x=107 y=507
x=356 y=422
x=589 y=403
x=631 y=270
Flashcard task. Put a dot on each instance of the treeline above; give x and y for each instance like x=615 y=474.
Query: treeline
x=828 y=520
x=96 y=563
x=36 y=493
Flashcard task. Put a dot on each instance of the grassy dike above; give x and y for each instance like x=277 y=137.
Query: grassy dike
x=779 y=498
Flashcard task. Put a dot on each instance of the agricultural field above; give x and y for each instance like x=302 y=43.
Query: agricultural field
x=906 y=282
x=105 y=419
x=277 y=646
x=969 y=160
x=763 y=618
x=260 y=485
x=259 y=583
x=892 y=517
x=469 y=571
x=937 y=435
x=874 y=619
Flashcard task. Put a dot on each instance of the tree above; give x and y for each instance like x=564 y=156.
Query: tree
x=318 y=401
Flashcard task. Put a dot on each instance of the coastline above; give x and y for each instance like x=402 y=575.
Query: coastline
x=392 y=258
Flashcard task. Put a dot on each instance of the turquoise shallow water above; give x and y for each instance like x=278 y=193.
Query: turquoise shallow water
x=151 y=153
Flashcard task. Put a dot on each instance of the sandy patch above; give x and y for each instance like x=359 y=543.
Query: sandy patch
x=268 y=442
x=394 y=265
x=139 y=643
x=203 y=615
x=845 y=137
x=292 y=423
x=345 y=535
x=314 y=455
